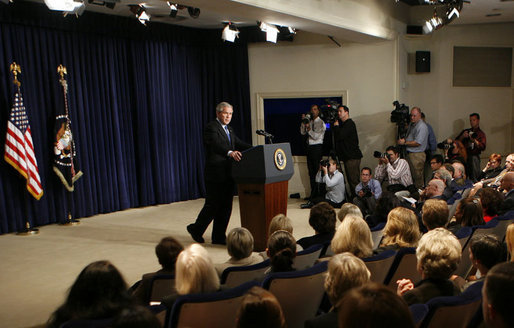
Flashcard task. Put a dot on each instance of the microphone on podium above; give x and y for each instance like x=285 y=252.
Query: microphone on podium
x=264 y=133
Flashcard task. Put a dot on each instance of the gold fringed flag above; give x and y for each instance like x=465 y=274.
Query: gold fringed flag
x=65 y=164
x=19 y=149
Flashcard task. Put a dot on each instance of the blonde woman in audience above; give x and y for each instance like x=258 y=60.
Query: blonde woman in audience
x=401 y=230
x=260 y=308
x=347 y=209
x=240 y=249
x=353 y=235
x=345 y=271
x=438 y=255
x=509 y=239
x=99 y=292
x=195 y=274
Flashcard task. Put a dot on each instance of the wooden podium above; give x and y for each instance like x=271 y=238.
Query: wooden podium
x=262 y=177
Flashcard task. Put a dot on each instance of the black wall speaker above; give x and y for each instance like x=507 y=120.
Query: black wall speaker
x=422 y=61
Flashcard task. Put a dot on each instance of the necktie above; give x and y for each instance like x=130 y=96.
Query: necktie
x=228 y=134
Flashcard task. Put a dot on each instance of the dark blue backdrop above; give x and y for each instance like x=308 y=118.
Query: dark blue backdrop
x=139 y=98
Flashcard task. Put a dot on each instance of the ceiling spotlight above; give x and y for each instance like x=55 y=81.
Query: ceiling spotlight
x=229 y=33
x=64 y=5
x=291 y=30
x=452 y=13
x=271 y=31
x=193 y=12
x=140 y=12
x=173 y=9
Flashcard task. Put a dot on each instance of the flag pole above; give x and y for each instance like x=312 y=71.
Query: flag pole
x=61 y=70
x=27 y=229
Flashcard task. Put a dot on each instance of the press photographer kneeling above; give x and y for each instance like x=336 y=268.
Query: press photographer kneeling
x=333 y=180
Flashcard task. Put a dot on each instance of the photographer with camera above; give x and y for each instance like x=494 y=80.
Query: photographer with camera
x=334 y=185
x=347 y=146
x=368 y=191
x=474 y=140
x=395 y=169
x=314 y=127
x=416 y=142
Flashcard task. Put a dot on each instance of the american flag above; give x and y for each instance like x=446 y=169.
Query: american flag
x=19 y=149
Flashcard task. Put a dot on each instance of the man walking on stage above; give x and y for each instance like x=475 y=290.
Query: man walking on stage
x=221 y=147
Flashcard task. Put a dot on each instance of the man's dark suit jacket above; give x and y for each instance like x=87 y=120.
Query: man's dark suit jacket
x=217 y=145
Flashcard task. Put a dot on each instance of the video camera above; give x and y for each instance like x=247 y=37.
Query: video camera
x=328 y=112
x=401 y=116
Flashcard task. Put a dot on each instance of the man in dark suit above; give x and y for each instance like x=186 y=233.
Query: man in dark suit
x=221 y=147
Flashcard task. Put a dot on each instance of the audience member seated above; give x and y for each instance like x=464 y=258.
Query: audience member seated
x=492 y=168
x=396 y=170
x=280 y=222
x=322 y=219
x=136 y=317
x=240 y=249
x=491 y=201
x=195 y=274
x=496 y=181
x=436 y=162
x=353 y=235
x=348 y=209
x=509 y=240
x=367 y=192
x=345 y=271
x=485 y=251
x=459 y=181
x=99 y=292
x=385 y=203
x=468 y=214
x=374 y=306
x=435 y=214
x=260 y=308
x=433 y=190
x=444 y=175
x=507 y=185
x=438 y=255
x=498 y=296
x=167 y=251
x=401 y=230
x=281 y=251
x=333 y=180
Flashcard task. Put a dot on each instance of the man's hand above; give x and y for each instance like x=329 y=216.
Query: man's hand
x=383 y=160
x=401 y=141
x=325 y=170
x=404 y=285
x=336 y=123
x=465 y=134
x=236 y=155
x=361 y=193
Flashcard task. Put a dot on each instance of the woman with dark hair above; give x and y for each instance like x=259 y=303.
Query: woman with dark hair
x=385 y=203
x=469 y=213
x=281 y=251
x=457 y=152
x=491 y=200
x=322 y=219
x=99 y=292
x=260 y=308
x=492 y=168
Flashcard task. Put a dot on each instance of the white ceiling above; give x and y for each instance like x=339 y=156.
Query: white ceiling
x=214 y=12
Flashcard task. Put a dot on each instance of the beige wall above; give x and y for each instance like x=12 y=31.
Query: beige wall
x=375 y=74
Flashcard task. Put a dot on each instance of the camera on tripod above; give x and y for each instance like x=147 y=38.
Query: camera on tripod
x=328 y=112
x=401 y=116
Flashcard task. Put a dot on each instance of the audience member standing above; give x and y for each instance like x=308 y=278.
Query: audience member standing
x=416 y=142
x=474 y=140
x=347 y=146
x=315 y=131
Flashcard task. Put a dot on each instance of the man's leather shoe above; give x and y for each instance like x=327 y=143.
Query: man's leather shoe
x=219 y=242
x=307 y=205
x=196 y=237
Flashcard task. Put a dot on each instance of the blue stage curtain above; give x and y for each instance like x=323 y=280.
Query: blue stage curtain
x=139 y=99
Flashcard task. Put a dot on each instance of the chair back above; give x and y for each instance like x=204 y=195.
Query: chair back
x=503 y=221
x=306 y=258
x=84 y=323
x=237 y=275
x=463 y=235
x=299 y=292
x=214 y=310
x=465 y=265
x=454 y=311
x=418 y=312
x=379 y=265
x=377 y=234
x=404 y=267
x=161 y=285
